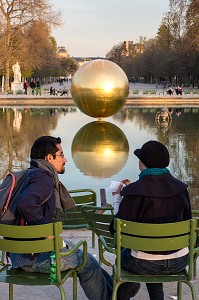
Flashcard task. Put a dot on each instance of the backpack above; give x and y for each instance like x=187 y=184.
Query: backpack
x=12 y=186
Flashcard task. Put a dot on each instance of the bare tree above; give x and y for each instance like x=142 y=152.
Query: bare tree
x=16 y=16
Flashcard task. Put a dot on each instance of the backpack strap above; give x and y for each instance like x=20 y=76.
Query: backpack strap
x=46 y=199
x=10 y=192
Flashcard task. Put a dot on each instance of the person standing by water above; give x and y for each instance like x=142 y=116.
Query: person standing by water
x=156 y=197
x=179 y=90
x=32 y=85
x=38 y=87
x=25 y=86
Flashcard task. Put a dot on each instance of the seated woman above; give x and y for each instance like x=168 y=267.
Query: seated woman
x=169 y=91
x=65 y=91
x=156 y=197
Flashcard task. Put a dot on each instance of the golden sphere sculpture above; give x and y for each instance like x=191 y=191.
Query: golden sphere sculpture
x=100 y=88
x=100 y=149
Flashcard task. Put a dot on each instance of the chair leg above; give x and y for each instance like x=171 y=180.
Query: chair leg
x=11 y=291
x=193 y=291
x=115 y=288
x=93 y=239
x=179 y=290
x=74 y=285
x=62 y=292
x=194 y=268
x=195 y=265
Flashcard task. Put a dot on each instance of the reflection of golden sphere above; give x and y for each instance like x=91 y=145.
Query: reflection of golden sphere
x=100 y=149
x=100 y=88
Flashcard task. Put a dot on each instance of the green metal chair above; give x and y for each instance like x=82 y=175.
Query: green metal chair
x=99 y=218
x=195 y=91
x=10 y=92
x=152 y=92
x=38 y=91
x=195 y=214
x=154 y=237
x=135 y=92
x=19 y=92
x=73 y=219
x=145 y=92
x=34 y=239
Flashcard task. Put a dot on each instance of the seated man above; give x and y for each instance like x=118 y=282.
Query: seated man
x=48 y=157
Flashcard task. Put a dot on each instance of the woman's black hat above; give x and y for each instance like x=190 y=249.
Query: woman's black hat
x=153 y=154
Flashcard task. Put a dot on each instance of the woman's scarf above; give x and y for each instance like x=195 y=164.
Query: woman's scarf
x=153 y=171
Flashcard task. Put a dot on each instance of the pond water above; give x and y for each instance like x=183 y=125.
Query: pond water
x=98 y=152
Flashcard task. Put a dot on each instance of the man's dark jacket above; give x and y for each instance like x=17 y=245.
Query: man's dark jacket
x=30 y=207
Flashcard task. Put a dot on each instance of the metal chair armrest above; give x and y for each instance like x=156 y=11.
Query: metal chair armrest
x=73 y=249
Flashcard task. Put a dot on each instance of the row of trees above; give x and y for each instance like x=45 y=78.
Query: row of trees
x=25 y=36
x=173 y=55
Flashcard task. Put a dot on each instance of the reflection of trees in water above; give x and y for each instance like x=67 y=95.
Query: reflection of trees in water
x=16 y=142
x=181 y=138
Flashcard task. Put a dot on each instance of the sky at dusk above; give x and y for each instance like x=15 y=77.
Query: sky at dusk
x=93 y=27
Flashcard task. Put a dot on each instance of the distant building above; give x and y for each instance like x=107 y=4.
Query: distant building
x=62 y=52
x=82 y=60
x=131 y=49
x=125 y=49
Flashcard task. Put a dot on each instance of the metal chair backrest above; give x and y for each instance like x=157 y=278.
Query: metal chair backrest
x=155 y=238
x=32 y=239
x=99 y=219
x=73 y=218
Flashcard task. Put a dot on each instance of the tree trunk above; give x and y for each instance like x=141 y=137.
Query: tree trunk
x=7 y=59
x=7 y=75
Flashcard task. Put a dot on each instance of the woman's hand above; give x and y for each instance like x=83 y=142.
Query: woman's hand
x=118 y=189
x=126 y=181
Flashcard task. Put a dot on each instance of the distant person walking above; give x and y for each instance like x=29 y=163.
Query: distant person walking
x=179 y=90
x=32 y=85
x=52 y=90
x=38 y=88
x=25 y=86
